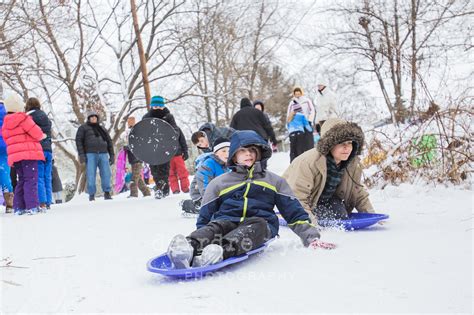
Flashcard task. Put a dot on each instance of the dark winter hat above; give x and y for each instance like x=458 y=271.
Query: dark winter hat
x=258 y=102
x=335 y=131
x=92 y=113
x=157 y=101
x=245 y=102
x=220 y=143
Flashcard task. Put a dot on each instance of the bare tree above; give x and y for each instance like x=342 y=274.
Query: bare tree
x=381 y=39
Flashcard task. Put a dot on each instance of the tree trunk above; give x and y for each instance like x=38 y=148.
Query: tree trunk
x=141 y=53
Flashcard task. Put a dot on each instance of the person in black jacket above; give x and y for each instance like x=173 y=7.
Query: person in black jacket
x=250 y=118
x=261 y=107
x=57 y=186
x=45 y=195
x=160 y=173
x=95 y=149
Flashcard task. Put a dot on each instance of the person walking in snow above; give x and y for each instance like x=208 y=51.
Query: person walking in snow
x=250 y=118
x=95 y=149
x=179 y=175
x=327 y=179
x=57 y=185
x=45 y=194
x=24 y=150
x=161 y=172
x=5 y=180
x=325 y=103
x=208 y=134
x=237 y=209
x=261 y=107
x=137 y=166
x=300 y=114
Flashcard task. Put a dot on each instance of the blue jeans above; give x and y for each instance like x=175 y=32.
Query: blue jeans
x=100 y=160
x=45 y=178
x=5 y=180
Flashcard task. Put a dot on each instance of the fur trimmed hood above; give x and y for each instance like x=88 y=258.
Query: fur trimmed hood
x=335 y=131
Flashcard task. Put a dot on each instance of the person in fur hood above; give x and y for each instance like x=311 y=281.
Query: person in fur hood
x=327 y=179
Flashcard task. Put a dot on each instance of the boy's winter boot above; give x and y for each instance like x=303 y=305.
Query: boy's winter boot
x=107 y=195
x=190 y=207
x=180 y=252
x=33 y=211
x=91 y=197
x=8 y=196
x=42 y=207
x=162 y=189
x=211 y=254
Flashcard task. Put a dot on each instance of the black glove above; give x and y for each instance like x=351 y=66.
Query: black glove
x=82 y=159
x=185 y=156
x=111 y=160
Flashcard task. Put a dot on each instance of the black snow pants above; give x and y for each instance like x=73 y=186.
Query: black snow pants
x=332 y=209
x=300 y=142
x=235 y=238
x=160 y=175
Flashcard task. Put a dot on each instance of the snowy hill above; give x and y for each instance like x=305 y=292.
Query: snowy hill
x=90 y=257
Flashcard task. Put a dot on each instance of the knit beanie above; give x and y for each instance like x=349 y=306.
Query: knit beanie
x=245 y=102
x=14 y=104
x=220 y=143
x=258 y=102
x=157 y=101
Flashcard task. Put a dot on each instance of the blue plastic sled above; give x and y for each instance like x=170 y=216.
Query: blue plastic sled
x=356 y=221
x=163 y=266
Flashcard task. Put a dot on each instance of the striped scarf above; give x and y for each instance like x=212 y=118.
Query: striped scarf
x=333 y=179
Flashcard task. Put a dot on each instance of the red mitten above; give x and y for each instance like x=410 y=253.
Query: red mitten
x=319 y=244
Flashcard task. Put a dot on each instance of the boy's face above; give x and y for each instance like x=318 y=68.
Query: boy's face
x=342 y=151
x=223 y=154
x=203 y=143
x=246 y=156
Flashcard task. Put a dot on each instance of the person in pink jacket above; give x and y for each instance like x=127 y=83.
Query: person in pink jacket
x=24 y=150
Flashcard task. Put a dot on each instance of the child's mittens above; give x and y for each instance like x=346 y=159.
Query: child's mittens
x=319 y=244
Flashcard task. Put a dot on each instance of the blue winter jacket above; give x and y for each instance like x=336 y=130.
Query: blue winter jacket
x=3 y=146
x=208 y=170
x=254 y=192
x=299 y=124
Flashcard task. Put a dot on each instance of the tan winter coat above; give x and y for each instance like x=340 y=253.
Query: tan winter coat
x=307 y=173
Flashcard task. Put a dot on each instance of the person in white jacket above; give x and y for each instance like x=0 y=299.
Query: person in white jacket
x=300 y=123
x=307 y=106
x=325 y=103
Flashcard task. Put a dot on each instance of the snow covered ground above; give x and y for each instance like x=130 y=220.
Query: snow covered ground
x=91 y=257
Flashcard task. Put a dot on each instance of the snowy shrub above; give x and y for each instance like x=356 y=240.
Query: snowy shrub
x=436 y=147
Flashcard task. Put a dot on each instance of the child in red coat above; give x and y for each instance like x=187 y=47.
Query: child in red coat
x=24 y=150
